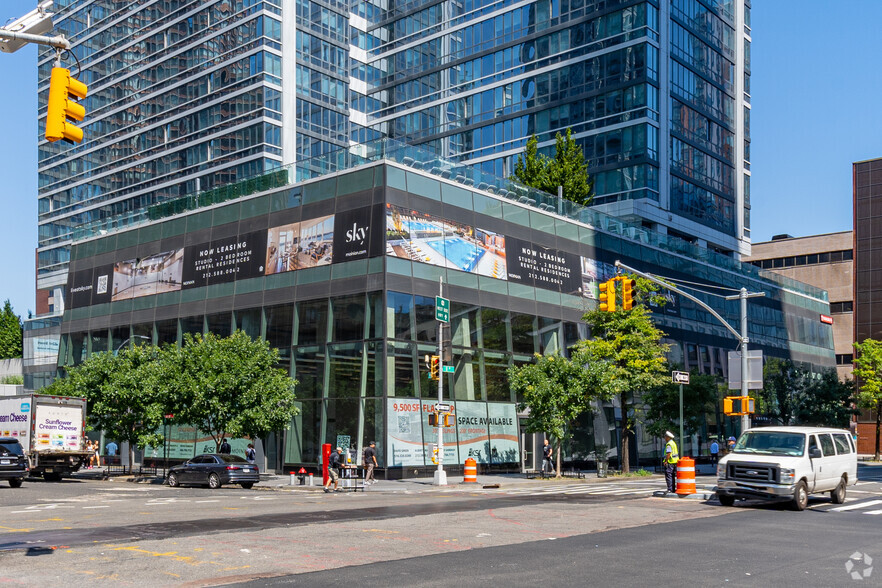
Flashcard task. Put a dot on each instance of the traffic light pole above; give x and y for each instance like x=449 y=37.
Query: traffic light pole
x=58 y=42
x=743 y=295
x=440 y=474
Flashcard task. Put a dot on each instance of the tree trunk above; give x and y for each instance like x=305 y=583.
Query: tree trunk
x=626 y=457
x=557 y=465
x=878 y=428
x=131 y=456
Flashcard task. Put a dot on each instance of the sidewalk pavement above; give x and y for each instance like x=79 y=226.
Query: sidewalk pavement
x=502 y=482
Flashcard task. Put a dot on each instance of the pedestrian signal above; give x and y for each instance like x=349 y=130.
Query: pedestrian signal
x=738 y=405
x=60 y=107
x=433 y=419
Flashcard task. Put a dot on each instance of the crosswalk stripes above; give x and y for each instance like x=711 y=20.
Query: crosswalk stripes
x=855 y=507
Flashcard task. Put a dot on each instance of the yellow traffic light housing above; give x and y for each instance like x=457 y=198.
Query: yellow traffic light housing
x=434 y=367
x=448 y=420
x=608 y=295
x=628 y=293
x=738 y=405
x=433 y=419
x=60 y=107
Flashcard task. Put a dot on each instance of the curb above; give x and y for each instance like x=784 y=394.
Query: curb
x=695 y=496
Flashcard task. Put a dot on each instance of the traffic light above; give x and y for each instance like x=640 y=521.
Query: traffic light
x=738 y=405
x=628 y=293
x=434 y=367
x=448 y=420
x=608 y=296
x=60 y=107
x=433 y=419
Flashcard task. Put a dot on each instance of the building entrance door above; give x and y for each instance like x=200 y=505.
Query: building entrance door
x=528 y=450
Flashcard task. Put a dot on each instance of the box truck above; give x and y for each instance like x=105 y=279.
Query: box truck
x=51 y=429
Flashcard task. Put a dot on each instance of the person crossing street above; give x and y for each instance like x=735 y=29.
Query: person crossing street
x=672 y=456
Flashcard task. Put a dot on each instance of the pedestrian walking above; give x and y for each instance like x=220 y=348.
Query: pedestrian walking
x=547 y=461
x=335 y=462
x=672 y=456
x=225 y=447
x=714 y=452
x=96 y=456
x=250 y=454
x=370 y=462
x=111 y=449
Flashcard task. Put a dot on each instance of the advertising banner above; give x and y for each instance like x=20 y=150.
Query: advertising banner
x=504 y=434
x=404 y=437
x=15 y=419
x=430 y=435
x=224 y=260
x=57 y=427
x=474 y=434
x=543 y=267
x=358 y=234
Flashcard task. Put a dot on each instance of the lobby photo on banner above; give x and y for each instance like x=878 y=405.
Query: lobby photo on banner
x=155 y=274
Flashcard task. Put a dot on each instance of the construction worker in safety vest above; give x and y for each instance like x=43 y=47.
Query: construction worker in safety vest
x=672 y=456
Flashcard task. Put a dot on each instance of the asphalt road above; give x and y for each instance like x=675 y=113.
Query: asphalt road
x=113 y=533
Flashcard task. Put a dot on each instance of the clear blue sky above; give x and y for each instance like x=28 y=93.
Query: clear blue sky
x=815 y=94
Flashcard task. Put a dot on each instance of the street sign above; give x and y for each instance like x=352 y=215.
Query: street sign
x=754 y=369
x=442 y=407
x=680 y=377
x=448 y=369
x=169 y=416
x=442 y=309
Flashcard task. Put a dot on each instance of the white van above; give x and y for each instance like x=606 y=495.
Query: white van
x=788 y=463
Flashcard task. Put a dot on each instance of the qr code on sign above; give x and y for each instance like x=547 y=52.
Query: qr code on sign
x=403 y=424
x=102 y=285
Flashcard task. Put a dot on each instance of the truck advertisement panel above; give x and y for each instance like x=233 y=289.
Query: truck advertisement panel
x=15 y=419
x=57 y=428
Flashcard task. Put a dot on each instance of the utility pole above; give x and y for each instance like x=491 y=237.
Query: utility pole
x=440 y=474
x=743 y=295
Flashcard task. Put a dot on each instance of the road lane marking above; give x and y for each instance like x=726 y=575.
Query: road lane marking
x=873 y=512
x=85 y=507
x=204 y=501
x=856 y=506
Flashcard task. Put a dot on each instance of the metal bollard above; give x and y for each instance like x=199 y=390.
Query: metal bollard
x=291 y=481
x=310 y=479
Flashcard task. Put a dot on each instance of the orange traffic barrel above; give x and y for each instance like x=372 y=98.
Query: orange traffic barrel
x=470 y=472
x=686 y=476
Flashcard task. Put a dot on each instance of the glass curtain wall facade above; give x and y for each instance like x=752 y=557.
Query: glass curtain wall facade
x=340 y=272
x=655 y=92
x=185 y=96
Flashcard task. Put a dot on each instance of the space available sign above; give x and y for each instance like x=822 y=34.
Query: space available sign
x=223 y=260
x=359 y=234
x=534 y=265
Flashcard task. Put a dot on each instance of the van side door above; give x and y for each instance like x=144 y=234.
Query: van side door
x=826 y=472
x=815 y=463
x=846 y=459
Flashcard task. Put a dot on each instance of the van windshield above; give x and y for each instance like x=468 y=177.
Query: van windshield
x=771 y=443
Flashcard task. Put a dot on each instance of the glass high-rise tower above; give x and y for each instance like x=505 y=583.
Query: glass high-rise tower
x=186 y=95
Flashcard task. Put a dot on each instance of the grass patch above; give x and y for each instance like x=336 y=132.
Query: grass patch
x=641 y=473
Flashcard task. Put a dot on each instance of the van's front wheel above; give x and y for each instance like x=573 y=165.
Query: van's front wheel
x=838 y=495
x=800 y=496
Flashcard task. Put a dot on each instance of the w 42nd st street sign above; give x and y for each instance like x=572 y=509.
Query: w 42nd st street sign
x=442 y=309
x=680 y=377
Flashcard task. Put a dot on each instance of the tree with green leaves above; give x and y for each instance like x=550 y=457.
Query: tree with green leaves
x=567 y=168
x=228 y=387
x=10 y=333
x=826 y=402
x=662 y=405
x=868 y=373
x=555 y=391
x=783 y=381
x=628 y=355
x=126 y=398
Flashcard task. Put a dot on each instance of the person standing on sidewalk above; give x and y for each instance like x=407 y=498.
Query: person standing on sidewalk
x=547 y=461
x=714 y=452
x=672 y=456
x=370 y=462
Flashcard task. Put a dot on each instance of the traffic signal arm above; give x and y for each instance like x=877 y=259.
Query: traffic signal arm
x=60 y=107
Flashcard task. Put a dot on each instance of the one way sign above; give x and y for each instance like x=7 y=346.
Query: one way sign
x=680 y=377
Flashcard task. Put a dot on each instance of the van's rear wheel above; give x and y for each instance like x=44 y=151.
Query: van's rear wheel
x=800 y=496
x=15 y=482
x=726 y=500
x=838 y=495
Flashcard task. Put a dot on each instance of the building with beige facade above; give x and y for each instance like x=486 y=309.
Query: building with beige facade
x=825 y=261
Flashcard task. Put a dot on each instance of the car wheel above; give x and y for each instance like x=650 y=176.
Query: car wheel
x=213 y=481
x=247 y=485
x=838 y=495
x=726 y=500
x=15 y=482
x=173 y=480
x=800 y=496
